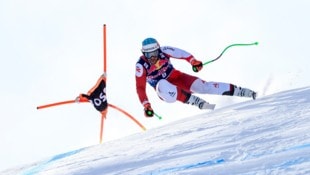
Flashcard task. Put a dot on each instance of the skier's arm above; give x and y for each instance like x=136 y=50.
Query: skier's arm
x=182 y=54
x=141 y=90
x=141 y=84
x=177 y=53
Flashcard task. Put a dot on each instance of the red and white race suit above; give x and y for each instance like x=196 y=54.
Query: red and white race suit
x=163 y=69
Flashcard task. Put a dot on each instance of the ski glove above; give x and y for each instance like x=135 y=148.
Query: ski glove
x=196 y=65
x=148 y=111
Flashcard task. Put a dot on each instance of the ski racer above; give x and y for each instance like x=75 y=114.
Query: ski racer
x=170 y=84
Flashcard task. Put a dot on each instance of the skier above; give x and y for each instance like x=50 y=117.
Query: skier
x=172 y=85
x=97 y=96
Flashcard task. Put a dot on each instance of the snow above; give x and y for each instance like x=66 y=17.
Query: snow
x=267 y=136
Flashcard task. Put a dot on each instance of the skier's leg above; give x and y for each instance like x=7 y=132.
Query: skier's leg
x=218 y=88
x=171 y=93
x=167 y=91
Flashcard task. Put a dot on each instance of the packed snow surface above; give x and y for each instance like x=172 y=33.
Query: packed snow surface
x=267 y=136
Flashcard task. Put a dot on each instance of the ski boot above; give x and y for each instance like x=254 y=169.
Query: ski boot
x=200 y=103
x=244 y=92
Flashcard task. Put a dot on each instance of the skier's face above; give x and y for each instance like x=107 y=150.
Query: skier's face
x=152 y=57
x=153 y=60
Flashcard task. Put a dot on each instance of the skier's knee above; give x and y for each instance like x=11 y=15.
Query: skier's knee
x=166 y=91
x=198 y=86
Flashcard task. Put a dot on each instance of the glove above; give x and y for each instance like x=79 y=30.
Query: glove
x=148 y=111
x=197 y=65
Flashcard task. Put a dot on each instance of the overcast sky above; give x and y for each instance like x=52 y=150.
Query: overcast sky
x=51 y=51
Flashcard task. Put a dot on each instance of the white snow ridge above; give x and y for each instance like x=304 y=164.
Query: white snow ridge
x=267 y=136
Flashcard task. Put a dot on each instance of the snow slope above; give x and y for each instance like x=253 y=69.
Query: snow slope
x=266 y=136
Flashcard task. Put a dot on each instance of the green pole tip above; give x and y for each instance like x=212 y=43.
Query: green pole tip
x=256 y=43
x=158 y=116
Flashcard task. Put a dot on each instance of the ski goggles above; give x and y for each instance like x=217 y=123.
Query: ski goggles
x=149 y=55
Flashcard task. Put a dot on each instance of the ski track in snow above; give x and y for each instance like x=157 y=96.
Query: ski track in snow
x=266 y=136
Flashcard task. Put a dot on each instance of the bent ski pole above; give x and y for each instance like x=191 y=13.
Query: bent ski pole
x=248 y=44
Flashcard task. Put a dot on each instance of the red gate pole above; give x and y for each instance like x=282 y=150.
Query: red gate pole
x=86 y=101
x=103 y=116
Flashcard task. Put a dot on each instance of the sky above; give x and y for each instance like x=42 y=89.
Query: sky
x=51 y=51
x=266 y=136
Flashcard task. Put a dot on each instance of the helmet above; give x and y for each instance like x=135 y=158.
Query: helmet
x=149 y=45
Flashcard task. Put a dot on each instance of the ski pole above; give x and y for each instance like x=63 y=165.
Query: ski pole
x=158 y=116
x=248 y=44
